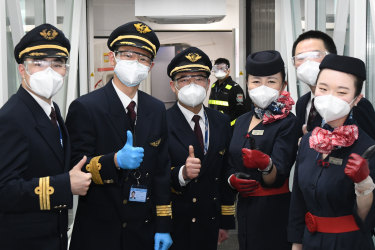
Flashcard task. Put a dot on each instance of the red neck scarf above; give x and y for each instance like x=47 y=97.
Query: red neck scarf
x=324 y=141
x=280 y=109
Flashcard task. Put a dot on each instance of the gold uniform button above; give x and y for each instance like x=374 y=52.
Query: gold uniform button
x=215 y=198
x=194 y=220
x=125 y=202
x=124 y=225
x=196 y=180
x=146 y=221
x=194 y=200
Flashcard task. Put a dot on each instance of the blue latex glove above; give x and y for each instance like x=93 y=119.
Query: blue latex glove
x=129 y=157
x=162 y=241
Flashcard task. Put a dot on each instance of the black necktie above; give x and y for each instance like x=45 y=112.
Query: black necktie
x=311 y=117
x=198 y=131
x=131 y=114
x=53 y=117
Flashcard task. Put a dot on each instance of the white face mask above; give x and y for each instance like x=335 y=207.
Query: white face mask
x=131 y=72
x=192 y=95
x=45 y=83
x=331 y=107
x=220 y=74
x=308 y=71
x=263 y=96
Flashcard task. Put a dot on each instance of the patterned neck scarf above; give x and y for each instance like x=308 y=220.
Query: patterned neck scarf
x=276 y=110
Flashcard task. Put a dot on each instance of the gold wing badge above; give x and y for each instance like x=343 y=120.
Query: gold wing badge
x=142 y=28
x=193 y=57
x=49 y=34
x=155 y=143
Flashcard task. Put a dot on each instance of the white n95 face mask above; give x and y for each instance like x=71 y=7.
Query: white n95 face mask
x=192 y=95
x=131 y=72
x=220 y=74
x=308 y=72
x=331 y=107
x=263 y=96
x=45 y=83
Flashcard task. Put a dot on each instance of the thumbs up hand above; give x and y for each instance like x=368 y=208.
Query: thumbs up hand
x=129 y=157
x=192 y=165
x=79 y=181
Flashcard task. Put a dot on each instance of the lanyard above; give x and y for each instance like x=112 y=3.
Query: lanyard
x=61 y=138
x=205 y=133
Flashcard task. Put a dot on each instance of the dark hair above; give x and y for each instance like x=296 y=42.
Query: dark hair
x=222 y=60
x=282 y=72
x=329 y=44
x=358 y=83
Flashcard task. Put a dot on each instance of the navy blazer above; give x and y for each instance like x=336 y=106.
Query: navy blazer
x=206 y=203
x=363 y=113
x=34 y=180
x=106 y=219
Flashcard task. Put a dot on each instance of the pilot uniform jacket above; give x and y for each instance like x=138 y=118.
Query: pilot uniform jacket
x=206 y=203
x=228 y=98
x=106 y=218
x=35 y=188
x=262 y=220
x=328 y=192
x=363 y=114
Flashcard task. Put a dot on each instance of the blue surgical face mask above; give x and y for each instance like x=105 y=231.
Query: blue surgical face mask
x=131 y=72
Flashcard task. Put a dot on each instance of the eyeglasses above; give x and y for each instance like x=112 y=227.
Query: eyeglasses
x=219 y=67
x=132 y=55
x=39 y=65
x=300 y=58
x=185 y=80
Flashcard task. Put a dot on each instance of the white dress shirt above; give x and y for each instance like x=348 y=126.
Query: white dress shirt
x=43 y=104
x=189 y=118
x=125 y=100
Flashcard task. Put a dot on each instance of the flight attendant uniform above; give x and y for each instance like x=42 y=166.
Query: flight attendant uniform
x=327 y=191
x=264 y=215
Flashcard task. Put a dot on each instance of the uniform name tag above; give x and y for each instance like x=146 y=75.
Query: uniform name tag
x=138 y=193
x=257 y=132
x=335 y=161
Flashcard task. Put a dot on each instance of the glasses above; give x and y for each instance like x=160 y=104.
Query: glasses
x=219 y=67
x=39 y=65
x=132 y=55
x=185 y=80
x=300 y=58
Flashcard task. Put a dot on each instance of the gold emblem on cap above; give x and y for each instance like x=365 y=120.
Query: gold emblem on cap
x=193 y=57
x=49 y=34
x=142 y=28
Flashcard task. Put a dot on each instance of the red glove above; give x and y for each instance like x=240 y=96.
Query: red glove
x=255 y=159
x=243 y=185
x=357 y=168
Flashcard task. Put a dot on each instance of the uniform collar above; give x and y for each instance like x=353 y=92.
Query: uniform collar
x=188 y=114
x=125 y=100
x=43 y=104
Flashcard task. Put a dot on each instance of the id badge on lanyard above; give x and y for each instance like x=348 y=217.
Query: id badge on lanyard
x=138 y=192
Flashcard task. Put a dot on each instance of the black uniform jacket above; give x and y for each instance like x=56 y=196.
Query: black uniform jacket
x=34 y=180
x=106 y=219
x=228 y=98
x=262 y=220
x=363 y=113
x=328 y=192
x=206 y=203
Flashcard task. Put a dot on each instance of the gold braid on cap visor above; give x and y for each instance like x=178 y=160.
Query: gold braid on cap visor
x=135 y=37
x=190 y=66
x=45 y=46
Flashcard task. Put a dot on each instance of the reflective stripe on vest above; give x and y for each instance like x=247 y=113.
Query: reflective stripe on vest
x=228 y=87
x=233 y=122
x=213 y=85
x=218 y=102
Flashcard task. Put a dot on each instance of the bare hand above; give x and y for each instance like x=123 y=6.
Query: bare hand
x=79 y=181
x=223 y=236
x=192 y=165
